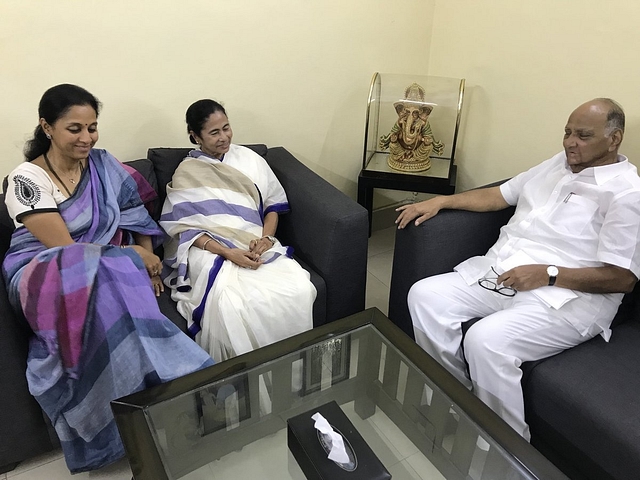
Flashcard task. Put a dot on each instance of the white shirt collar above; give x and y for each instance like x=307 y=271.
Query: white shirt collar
x=603 y=173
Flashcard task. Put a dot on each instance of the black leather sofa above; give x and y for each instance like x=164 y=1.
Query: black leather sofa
x=583 y=405
x=328 y=230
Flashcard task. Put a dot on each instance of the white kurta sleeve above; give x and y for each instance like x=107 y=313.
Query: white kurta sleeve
x=620 y=234
x=512 y=188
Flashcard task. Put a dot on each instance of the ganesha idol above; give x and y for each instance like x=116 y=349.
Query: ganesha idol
x=411 y=141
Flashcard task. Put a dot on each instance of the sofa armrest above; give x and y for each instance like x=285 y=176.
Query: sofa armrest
x=22 y=423
x=435 y=247
x=327 y=229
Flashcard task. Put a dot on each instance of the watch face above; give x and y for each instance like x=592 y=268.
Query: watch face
x=552 y=271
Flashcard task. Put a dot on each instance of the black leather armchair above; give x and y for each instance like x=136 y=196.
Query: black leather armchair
x=582 y=405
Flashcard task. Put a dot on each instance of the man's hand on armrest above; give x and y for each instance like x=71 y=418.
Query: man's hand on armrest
x=479 y=200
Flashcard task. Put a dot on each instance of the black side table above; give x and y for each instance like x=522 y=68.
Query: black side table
x=440 y=180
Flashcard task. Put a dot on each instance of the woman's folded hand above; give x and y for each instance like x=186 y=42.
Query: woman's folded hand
x=243 y=258
x=260 y=245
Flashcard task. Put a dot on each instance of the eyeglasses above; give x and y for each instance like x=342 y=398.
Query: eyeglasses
x=490 y=284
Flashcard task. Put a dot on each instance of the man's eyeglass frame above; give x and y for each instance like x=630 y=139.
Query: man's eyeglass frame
x=490 y=284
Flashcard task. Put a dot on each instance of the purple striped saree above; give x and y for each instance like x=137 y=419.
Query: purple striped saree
x=98 y=331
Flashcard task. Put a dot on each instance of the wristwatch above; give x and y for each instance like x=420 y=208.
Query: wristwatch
x=552 y=271
x=271 y=238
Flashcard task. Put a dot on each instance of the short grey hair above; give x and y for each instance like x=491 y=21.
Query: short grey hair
x=615 y=116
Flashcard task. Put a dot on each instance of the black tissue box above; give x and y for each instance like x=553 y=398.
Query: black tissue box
x=303 y=441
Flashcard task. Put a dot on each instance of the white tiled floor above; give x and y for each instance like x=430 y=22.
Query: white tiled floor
x=379 y=268
x=51 y=466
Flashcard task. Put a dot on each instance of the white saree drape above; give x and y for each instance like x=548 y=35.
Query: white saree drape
x=231 y=310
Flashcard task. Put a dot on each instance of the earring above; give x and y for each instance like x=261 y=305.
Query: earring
x=48 y=136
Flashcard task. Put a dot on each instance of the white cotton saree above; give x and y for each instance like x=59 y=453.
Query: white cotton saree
x=231 y=310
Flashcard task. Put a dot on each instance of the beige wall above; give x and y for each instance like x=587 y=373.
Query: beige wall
x=297 y=72
x=290 y=72
x=528 y=65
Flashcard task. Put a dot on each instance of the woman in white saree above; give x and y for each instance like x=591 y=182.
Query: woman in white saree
x=233 y=281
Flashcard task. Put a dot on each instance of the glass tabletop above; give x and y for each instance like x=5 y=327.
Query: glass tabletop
x=230 y=420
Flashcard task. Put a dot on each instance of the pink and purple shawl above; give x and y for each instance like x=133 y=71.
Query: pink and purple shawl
x=98 y=331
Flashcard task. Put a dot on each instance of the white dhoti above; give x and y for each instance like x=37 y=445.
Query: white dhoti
x=513 y=330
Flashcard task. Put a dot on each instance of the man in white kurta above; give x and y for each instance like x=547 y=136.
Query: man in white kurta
x=557 y=273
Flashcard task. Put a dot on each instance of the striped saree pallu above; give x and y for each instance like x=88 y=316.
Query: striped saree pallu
x=229 y=310
x=216 y=200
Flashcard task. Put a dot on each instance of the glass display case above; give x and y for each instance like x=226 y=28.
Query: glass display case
x=411 y=131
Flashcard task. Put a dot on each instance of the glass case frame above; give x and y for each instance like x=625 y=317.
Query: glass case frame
x=387 y=89
x=446 y=93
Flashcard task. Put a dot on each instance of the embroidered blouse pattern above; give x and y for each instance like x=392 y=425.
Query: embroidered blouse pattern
x=27 y=192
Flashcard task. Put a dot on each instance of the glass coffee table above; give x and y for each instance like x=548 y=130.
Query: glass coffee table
x=229 y=421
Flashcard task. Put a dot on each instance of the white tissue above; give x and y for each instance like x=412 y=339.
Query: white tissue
x=338 y=453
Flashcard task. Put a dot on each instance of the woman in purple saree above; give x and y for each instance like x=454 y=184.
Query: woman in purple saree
x=81 y=269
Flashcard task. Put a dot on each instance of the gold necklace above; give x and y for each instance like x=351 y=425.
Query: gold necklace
x=80 y=167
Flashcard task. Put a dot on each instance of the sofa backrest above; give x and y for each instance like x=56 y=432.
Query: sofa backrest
x=629 y=309
x=165 y=161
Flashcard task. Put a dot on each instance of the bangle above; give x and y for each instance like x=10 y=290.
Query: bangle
x=271 y=238
x=204 y=245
